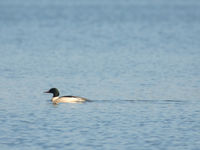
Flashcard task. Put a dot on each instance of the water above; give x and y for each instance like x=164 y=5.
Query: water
x=102 y=125
x=137 y=61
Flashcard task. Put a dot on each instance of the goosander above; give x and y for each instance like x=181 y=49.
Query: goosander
x=64 y=99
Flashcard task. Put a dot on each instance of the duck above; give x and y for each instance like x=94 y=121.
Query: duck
x=64 y=99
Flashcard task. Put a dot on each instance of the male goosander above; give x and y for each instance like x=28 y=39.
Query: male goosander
x=64 y=99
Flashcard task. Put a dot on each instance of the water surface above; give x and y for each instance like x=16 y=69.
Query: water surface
x=137 y=61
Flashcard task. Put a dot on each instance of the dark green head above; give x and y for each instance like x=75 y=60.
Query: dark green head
x=54 y=91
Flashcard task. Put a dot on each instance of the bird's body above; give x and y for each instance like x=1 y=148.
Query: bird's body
x=64 y=99
x=68 y=99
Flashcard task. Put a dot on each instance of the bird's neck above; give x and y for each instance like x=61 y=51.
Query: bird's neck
x=54 y=98
x=56 y=94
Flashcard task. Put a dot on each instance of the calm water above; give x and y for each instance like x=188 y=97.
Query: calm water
x=137 y=61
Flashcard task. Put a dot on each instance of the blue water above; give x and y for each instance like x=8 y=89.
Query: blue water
x=138 y=61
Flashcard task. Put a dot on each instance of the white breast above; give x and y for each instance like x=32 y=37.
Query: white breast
x=67 y=100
